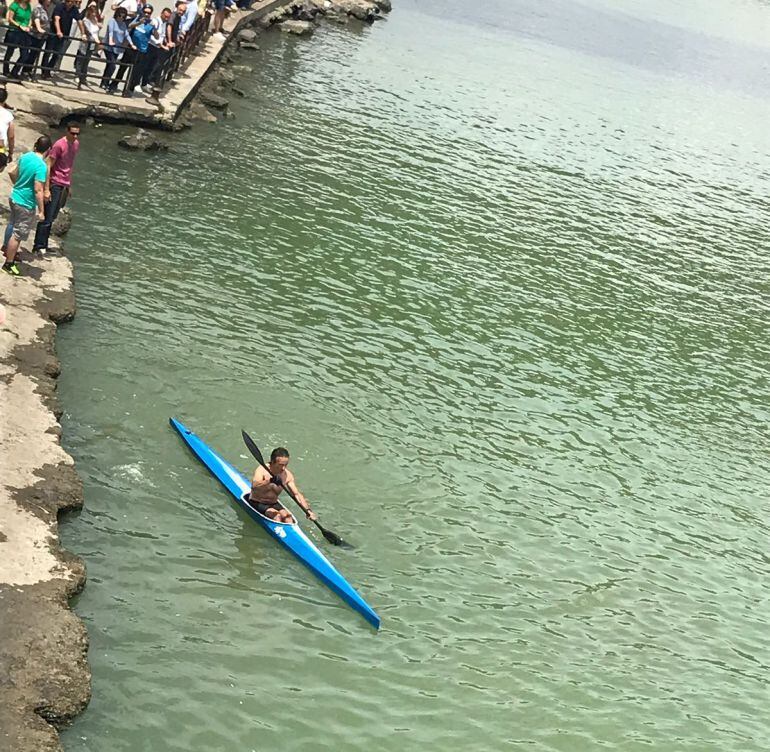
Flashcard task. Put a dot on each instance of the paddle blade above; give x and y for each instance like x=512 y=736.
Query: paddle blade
x=333 y=538
x=253 y=448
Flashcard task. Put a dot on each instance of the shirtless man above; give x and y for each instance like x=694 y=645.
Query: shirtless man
x=266 y=487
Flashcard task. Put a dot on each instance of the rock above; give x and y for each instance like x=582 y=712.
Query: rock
x=298 y=28
x=248 y=46
x=242 y=69
x=247 y=35
x=304 y=11
x=226 y=76
x=62 y=223
x=363 y=11
x=90 y=122
x=51 y=111
x=274 y=17
x=210 y=99
x=384 y=5
x=239 y=92
x=196 y=111
x=142 y=140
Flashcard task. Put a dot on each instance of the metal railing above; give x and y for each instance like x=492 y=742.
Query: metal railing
x=26 y=57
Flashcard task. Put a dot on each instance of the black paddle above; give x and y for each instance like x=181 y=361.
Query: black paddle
x=328 y=534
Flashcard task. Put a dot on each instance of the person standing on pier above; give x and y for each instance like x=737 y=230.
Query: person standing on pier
x=17 y=37
x=142 y=30
x=29 y=178
x=7 y=131
x=117 y=42
x=58 y=184
x=64 y=15
x=38 y=33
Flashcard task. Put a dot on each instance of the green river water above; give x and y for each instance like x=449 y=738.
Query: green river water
x=496 y=273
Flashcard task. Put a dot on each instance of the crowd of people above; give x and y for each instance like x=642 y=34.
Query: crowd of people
x=133 y=40
x=42 y=183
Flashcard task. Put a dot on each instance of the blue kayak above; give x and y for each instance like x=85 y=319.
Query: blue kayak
x=289 y=535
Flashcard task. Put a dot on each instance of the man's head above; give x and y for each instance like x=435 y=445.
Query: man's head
x=181 y=7
x=42 y=145
x=279 y=459
x=71 y=3
x=120 y=14
x=73 y=131
x=147 y=11
x=165 y=14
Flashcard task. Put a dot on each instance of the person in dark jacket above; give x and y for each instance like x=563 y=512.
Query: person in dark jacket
x=65 y=15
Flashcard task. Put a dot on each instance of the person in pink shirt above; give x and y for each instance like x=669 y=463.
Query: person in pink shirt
x=58 y=185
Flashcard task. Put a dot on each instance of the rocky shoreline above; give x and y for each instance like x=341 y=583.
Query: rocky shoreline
x=44 y=674
x=45 y=679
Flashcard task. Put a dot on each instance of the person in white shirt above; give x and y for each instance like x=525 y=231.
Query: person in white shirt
x=7 y=131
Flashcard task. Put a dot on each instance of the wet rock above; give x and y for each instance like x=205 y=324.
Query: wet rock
x=209 y=99
x=384 y=5
x=274 y=17
x=305 y=11
x=249 y=46
x=63 y=222
x=197 y=111
x=239 y=92
x=298 y=28
x=241 y=69
x=247 y=35
x=143 y=140
x=226 y=77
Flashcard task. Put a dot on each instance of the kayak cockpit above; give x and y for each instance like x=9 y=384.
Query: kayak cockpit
x=246 y=499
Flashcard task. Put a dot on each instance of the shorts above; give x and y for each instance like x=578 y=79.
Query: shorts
x=219 y=4
x=260 y=506
x=22 y=220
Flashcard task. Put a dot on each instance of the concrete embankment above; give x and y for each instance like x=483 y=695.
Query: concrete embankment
x=44 y=673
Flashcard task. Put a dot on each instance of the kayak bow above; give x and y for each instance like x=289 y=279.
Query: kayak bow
x=289 y=535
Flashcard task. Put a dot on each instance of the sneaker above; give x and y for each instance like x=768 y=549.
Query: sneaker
x=10 y=267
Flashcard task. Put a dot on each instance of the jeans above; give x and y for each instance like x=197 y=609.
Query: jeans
x=30 y=59
x=54 y=49
x=142 y=68
x=43 y=232
x=108 y=81
x=158 y=71
x=15 y=39
x=81 y=59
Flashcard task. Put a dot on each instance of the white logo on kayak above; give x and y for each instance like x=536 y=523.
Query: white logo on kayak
x=279 y=531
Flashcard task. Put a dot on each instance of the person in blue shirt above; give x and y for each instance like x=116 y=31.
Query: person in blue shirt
x=142 y=30
x=27 y=199
x=116 y=41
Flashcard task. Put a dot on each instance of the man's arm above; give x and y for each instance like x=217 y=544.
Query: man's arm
x=39 y=199
x=259 y=481
x=50 y=161
x=304 y=504
x=11 y=140
x=57 y=25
